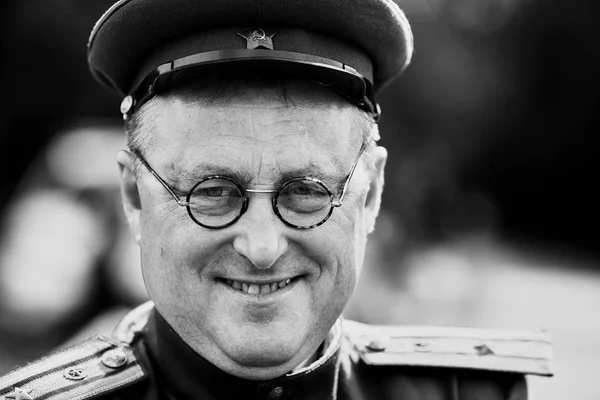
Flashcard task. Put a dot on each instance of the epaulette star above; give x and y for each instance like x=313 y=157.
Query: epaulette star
x=19 y=394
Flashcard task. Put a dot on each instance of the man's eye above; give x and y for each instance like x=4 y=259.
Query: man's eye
x=215 y=197
x=303 y=190
x=306 y=189
x=303 y=196
x=216 y=188
x=214 y=192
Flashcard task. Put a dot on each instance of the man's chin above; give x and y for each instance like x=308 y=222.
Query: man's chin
x=260 y=367
x=263 y=358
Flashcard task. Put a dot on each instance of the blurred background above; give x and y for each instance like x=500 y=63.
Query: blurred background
x=490 y=214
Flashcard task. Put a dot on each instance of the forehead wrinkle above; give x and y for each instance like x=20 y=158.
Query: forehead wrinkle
x=311 y=170
x=194 y=163
x=245 y=123
x=259 y=161
x=307 y=161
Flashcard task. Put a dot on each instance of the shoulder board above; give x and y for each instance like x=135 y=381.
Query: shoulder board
x=87 y=369
x=471 y=348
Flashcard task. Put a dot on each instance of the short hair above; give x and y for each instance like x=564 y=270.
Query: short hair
x=220 y=88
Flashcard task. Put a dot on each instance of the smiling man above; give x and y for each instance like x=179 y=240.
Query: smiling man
x=261 y=265
x=251 y=182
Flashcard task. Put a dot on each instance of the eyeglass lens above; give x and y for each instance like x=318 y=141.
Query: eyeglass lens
x=303 y=202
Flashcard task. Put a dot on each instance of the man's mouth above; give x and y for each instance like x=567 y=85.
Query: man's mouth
x=257 y=288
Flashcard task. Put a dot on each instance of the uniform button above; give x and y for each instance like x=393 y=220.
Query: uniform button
x=421 y=347
x=378 y=344
x=114 y=358
x=74 y=374
x=276 y=393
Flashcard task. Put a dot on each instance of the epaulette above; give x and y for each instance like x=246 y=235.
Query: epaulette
x=522 y=352
x=88 y=369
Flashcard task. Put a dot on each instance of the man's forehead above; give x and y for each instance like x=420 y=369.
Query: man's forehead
x=260 y=130
x=257 y=167
x=294 y=152
x=266 y=115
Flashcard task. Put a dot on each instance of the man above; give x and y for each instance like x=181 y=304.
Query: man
x=251 y=183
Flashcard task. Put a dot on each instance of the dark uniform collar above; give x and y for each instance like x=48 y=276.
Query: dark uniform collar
x=186 y=375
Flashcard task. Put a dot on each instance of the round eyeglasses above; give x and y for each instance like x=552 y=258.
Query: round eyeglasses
x=218 y=201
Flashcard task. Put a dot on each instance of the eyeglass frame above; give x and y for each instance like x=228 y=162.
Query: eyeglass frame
x=243 y=191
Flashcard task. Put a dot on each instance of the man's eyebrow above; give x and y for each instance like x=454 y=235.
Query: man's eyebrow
x=311 y=170
x=202 y=170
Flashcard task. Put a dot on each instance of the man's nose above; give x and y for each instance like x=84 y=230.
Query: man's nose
x=260 y=236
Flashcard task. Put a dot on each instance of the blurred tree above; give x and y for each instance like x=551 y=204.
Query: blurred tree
x=540 y=165
x=491 y=125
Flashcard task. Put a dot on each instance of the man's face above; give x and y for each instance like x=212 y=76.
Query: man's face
x=259 y=140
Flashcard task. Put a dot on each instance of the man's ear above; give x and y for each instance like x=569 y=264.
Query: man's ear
x=373 y=200
x=130 y=195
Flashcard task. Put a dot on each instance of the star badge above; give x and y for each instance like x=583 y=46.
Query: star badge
x=19 y=394
x=257 y=38
x=483 y=350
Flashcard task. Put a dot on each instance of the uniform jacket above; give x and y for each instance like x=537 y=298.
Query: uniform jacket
x=146 y=360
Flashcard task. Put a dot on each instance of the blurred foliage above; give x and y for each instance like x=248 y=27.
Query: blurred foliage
x=491 y=126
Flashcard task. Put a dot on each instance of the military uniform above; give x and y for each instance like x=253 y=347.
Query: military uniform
x=146 y=360
x=138 y=49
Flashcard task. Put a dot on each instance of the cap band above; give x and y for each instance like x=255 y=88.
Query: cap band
x=333 y=74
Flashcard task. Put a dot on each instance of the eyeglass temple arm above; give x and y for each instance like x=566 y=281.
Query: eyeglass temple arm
x=162 y=182
x=338 y=203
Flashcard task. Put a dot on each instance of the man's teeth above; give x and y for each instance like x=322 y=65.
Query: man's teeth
x=253 y=288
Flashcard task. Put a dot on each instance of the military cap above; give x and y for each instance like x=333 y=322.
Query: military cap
x=354 y=47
